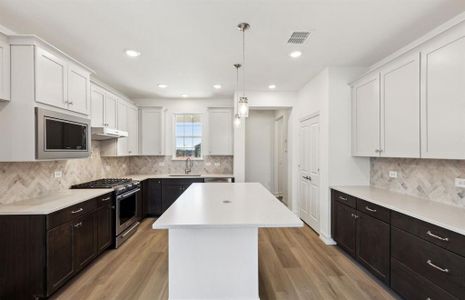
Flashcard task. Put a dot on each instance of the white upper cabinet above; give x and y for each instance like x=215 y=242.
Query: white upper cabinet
x=366 y=116
x=151 y=131
x=110 y=110
x=133 y=130
x=61 y=83
x=97 y=106
x=220 y=131
x=50 y=79
x=4 y=69
x=122 y=124
x=78 y=90
x=443 y=96
x=400 y=106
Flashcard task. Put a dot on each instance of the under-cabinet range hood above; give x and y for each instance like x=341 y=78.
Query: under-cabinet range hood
x=105 y=133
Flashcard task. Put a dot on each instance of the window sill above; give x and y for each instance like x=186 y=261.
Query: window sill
x=184 y=159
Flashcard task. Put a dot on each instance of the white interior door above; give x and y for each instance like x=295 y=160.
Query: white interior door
x=309 y=169
x=280 y=159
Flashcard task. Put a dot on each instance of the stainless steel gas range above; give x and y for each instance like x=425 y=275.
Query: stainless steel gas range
x=126 y=205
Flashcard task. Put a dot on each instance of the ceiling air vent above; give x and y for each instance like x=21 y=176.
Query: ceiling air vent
x=298 y=37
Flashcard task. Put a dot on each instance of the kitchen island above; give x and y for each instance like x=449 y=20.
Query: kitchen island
x=213 y=239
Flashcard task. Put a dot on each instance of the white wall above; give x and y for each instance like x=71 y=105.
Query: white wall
x=172 y=106
x=259 y=148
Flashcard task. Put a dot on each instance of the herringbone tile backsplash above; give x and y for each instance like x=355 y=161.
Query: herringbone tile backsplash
x=424 y=178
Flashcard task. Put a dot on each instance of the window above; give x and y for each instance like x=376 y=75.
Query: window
x=188 y=136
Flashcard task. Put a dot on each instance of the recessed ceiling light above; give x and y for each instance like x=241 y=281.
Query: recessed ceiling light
x=132 y=53
x=272 y=86
x=217 y=86
x=162 y=86
x=295 y=54
x=184 y=95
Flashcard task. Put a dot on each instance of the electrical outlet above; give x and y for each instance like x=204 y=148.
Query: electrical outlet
x=161 y=164
x=392 y=174
x=217 y=164
x=208 y=164
x=460 y=182
x=58 y=174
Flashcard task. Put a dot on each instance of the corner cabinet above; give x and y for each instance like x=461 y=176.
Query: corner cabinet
x=4 y=68
x=151 y=131
x=220 y=131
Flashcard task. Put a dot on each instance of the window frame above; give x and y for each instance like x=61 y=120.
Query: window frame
x=173 y=135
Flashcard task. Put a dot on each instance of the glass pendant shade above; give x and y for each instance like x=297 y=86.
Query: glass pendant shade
x=243 y=107
x=237 y=121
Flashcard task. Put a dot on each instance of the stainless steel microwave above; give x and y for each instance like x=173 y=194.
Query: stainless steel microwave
x=61 y=136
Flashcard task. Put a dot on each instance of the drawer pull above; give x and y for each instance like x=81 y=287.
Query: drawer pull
x=342 y=198
x=370 y=209
x=436 y=267
x=77 y=211
x=437 y=236
x=106 y=199
x=78 y=225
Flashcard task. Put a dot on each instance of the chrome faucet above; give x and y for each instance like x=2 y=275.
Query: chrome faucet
x=189 y=165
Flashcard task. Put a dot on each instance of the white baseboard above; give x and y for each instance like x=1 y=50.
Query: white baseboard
x=327 y=240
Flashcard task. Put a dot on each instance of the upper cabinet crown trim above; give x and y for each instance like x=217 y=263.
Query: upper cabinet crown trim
x=31 y=39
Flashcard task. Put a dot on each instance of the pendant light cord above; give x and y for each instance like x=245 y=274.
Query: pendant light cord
x=243 y=62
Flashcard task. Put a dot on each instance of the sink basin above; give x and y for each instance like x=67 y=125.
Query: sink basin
x=185 y=175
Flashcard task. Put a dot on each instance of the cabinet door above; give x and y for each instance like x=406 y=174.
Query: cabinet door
x=59 y=256
x=4 y=70
x=400 y=109
x=373 y=238
x=110 y=110
x=443 y=96
x=103 y=222
x=133 y=130
x=122 y=124
x=152 y=198
x=97 y=106
x=78 y=90
x=171 y=192
x=50 y=79
x=151 y=131
x=344 y=227
x=366 y=116
x=220 y=137
x=85 y=241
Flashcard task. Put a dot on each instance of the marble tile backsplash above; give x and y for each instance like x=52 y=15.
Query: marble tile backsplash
x=425 y=178
x=23 y=180
x=165 y=165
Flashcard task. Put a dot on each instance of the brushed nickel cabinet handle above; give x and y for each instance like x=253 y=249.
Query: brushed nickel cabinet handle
x=106 y=199
x=342 y=198
x=370 y=209
x=78 y=225
x=77 y=211
x=429 y=262
x=437 y=236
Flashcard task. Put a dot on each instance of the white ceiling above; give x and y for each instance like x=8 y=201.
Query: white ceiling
x=192 y=44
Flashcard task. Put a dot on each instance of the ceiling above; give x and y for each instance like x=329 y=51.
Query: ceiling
x=190 y=45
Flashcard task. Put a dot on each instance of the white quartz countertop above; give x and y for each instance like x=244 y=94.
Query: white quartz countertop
x=50 y=203
x=203 y=205
x=141 y=177
x=446 y=216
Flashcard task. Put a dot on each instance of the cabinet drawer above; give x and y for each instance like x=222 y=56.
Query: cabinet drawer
x=443 y=268
x=69 y=213
x=374 y=210
x=439 y=236
x=184 y=181
x=344 y=198
x=104 y=200
x=407 y=284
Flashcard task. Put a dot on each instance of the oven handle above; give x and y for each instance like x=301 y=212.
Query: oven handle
x=127 y=194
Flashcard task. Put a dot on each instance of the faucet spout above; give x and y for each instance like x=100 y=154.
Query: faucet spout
x=189 y=165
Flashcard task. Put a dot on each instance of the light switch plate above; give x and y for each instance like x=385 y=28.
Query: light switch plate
x=392 y=174
x=217 y=164
x=460 y=182
x=58 y=174
x=208 y=164
x=161 y=164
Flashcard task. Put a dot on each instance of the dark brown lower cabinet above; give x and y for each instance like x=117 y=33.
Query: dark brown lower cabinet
x=344 y=227
x=372 y=250
x=151 y=195
x=40 y=253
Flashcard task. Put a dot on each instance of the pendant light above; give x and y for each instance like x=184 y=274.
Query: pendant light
x=243 y=105
x=237 y=118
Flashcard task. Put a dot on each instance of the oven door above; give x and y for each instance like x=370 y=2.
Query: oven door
x=127 y=210
x=61 y=136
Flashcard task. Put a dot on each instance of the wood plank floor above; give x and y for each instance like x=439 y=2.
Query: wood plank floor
x=294 y=264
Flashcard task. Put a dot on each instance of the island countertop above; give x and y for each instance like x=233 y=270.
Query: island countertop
x=222 y=205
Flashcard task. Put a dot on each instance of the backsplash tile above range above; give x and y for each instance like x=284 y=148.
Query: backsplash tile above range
x=424 y=178
x=165 y=165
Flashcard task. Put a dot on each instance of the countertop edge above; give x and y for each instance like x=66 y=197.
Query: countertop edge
x=413 y=214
